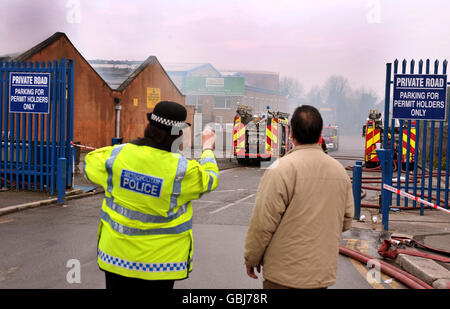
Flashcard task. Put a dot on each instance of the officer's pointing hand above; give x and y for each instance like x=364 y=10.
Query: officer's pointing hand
x=208 y=138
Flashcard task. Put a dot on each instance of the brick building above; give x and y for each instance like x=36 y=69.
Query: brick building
x=93 y=99
x=97 y=105
x=140 y=92
x=215 y=95
x=262 y=90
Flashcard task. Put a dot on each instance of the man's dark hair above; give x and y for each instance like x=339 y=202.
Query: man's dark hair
x=306 y=124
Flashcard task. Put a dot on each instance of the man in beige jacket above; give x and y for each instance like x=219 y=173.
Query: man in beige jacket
x=303 y=205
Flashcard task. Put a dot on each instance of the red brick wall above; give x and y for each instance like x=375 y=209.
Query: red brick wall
x=93 y=102
x=133 y=118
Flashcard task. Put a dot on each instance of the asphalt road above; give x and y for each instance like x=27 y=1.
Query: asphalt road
x=37 y=244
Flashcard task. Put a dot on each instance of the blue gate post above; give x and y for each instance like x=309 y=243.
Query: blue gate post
x=70 y=121
x=116 y=141
x=385 y=157
x=387 y=96
x=61 y=175
x=31 y=141
x=356 y=186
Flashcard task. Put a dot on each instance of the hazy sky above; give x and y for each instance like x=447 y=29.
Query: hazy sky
x=308 y=40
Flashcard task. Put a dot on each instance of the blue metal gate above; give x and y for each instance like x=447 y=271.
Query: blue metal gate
x=33 y=144
x=422 y=169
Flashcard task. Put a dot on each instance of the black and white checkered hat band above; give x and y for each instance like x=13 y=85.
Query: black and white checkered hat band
x=167 y=122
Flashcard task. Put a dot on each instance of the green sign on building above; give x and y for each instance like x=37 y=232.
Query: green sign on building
x=220 y=86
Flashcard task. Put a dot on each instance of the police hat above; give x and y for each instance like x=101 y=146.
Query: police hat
x=167 y=115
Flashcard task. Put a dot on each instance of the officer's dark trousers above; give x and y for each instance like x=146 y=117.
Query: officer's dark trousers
x=114 y=281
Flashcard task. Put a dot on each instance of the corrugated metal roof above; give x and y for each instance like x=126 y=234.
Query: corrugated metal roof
x=182 y=67
x=230 y=73
x=258 y=72
x=114 y=72
x=262 y=90
x=141 y=68
x=9 y=57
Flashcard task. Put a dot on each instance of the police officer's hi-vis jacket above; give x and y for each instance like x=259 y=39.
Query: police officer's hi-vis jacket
x=145 y=229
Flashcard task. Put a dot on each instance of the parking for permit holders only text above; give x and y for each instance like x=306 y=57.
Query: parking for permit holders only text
x=29 y=92
x=419 y=96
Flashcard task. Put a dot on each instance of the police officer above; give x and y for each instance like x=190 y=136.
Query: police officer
x=145 y=232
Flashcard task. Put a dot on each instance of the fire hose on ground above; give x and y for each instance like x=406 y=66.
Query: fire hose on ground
x=398 y=274
x=397 y=242
x=402 y=276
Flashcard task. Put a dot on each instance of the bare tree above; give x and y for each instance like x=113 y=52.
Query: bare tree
x=335 y=90
x=351 y=106
x=339 y=102
x=291 y=87
x=293 y=90
x=314 y=97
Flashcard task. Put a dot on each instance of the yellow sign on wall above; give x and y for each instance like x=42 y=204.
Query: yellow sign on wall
x=153 y=97
x=135 y=102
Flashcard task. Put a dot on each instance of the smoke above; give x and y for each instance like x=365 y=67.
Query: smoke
x=338 y=101
x=25 y=23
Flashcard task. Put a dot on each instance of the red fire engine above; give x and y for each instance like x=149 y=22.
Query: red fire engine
x=260 y=137
x=373 y=132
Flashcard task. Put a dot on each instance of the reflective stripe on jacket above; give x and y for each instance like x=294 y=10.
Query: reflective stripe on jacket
x=145 y=229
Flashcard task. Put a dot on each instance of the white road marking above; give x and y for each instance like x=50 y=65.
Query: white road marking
x=227 y=170
x=6 y=221
x=232 y=204
x=219 y=202
x=201 y=201
x=232 y=190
